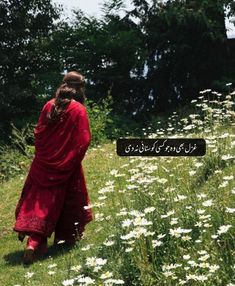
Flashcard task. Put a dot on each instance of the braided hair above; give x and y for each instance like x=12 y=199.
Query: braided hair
x=72 y=87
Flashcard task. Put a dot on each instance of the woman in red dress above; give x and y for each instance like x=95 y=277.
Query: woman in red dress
x=54 y=196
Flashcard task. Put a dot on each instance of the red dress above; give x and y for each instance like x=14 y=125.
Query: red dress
x=55 y=194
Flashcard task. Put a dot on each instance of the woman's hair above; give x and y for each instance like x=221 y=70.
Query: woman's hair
x=72 y=87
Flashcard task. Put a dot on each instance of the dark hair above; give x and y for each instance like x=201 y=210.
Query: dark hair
x=72 y=87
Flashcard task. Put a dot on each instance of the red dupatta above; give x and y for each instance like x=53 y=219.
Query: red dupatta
x=59 y=146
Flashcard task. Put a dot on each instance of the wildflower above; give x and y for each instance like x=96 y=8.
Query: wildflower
x=228 y=177
x=128 y=236
x=201 y=196
x=97 y=268
x=186 y=237
x=61 y=242
x=86 y=248
x=207 y=203
x=173 y=221
x=161 y=236
x=149 y=233
x=28 y=275
x=230 y=210
x=141 y=221
x=223 y=185
x=168 y=273
x=149 y=210
x=200 y=211
x=199 y=224
x=136 y=213
x=198 y=241
x=68 y=282
x=182 y=282
x=178 y=231
x=109 y=243
x=189 y=127
x=156 y=243
x=227 y=157
x=170 y=266
x=204 y=265
x=113 y=172
x=223 y=229
x=51 y=272
x=76 y=268
x=180 y=198
x=205 y=91
x=204 y=257
x=93 y=261
x=192 y=263
x=114 y=281
x=199 y=164
x=87 y=280
x=168 y=214
x=202 y=252
x=106 y=275
x=213 y=268
x=205 y=217
x=52 y=266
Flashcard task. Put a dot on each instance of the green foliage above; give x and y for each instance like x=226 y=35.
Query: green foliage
x=15 y=157
x=167 y=49
x=12 y=163
x=26 y=29
x=100 y=116
x=23 y=139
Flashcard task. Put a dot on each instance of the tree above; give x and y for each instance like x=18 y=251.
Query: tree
x=186 y=42
x=26 y=29
x=107 y=51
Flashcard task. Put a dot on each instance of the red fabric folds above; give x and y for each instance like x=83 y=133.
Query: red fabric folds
x=55 y=193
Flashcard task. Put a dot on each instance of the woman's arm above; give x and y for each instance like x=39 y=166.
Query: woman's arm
x=84 y=134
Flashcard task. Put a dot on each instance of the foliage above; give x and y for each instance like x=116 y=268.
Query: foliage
x=12 y=163
x=26 y=29
x=22 y=139
x=186 y=43
x=152 y=58
x=99 y=117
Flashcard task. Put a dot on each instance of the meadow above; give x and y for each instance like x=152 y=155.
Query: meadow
x=157 y=220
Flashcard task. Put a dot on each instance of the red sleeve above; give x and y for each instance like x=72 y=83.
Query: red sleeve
x=84 y=133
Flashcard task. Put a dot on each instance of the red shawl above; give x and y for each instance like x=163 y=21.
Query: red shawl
x=60 y=146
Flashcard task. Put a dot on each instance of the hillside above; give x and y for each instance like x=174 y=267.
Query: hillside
x=158 y=220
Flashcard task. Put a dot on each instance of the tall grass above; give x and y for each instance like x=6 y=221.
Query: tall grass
x=158 y=220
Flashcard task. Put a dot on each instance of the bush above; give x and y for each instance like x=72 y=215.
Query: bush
x=12 y=163
x=100 y=118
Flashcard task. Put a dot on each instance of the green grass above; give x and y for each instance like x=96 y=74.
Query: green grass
x=178 y=242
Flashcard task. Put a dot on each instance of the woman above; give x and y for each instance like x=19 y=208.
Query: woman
x=54 y=195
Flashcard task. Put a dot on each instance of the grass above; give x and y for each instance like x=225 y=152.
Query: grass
x=158 y=220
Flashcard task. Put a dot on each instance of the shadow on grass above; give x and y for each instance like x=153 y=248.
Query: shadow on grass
x=16 y=257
